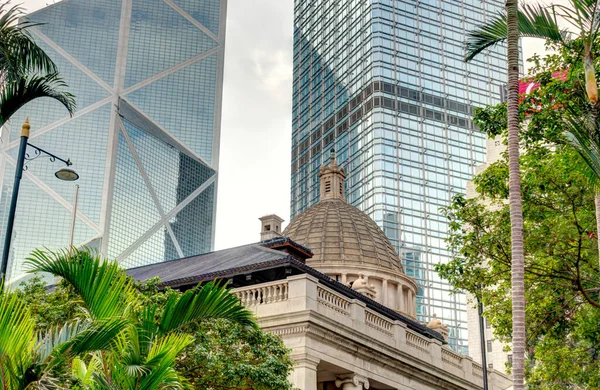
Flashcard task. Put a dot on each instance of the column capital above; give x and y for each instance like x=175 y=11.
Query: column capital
x=359 y=381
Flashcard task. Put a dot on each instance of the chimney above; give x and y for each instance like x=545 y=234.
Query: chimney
x=270 y=227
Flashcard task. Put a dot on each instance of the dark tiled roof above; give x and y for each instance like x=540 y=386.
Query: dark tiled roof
x=215 y=263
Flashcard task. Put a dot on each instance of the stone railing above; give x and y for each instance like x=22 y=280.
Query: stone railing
x=417 y=341
x=477 y=370
x=333 y=300
x=379 y=323
x=302 y=298
x=452 y=358
x=262 y=294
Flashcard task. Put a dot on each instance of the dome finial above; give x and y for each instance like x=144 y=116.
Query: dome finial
x=332 y=179
x=332 y=162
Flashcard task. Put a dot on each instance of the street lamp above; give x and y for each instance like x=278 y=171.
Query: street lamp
x=65 y=173
x=482 y=338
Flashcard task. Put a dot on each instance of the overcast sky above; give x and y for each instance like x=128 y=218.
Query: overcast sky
x=254 y=174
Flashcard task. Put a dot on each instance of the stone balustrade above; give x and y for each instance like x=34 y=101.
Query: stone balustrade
x=261 y=294
x=452 y=358
x=333 y=300
x=302 y=293
x=378 y=322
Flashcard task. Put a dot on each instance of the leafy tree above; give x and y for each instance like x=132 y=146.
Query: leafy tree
x=560 y=250
x=32 y=360
x=223 y=355
x=560 y=263
x=541 y=21
x=26 y=71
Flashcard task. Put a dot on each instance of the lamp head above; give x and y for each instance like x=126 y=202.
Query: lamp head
x=66 y=174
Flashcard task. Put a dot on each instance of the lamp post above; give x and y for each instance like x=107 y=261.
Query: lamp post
x=65 y=173
x=482 y=339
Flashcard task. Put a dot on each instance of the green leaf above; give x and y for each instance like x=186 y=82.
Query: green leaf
x=103 y=285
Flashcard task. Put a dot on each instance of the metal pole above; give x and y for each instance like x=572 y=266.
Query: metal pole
x=74 y=217
x=15 y=195
x=482 y=337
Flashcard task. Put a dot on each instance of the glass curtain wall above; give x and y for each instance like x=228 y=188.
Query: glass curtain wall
x=147 y=75
x=383 y=83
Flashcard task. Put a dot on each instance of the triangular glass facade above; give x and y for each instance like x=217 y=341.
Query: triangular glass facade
x=146 y=74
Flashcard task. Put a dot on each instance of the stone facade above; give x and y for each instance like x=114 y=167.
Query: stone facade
x=338 y=342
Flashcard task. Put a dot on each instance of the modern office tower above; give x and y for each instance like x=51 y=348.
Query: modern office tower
x=148 y=78
x=383 y=83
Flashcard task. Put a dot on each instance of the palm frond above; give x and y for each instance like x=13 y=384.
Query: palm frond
x=103 y=383
x=16 y=93
x=103 y=285
x=535 y=21
x=582 y=126
x=85 y=372
x=78 y=338
x=161 y=359
x=17 y=340
x=208 y=301
x=19 y=54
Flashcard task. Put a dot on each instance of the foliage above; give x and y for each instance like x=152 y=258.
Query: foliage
x=542 y=21
x=561 y=272
x=26 y=71
x=233 y=357
x=560 y=246
x=31 y=360
x=225 y=354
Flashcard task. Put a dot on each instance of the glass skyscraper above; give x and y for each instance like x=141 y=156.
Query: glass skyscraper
x=148 y=76
x=383 y=82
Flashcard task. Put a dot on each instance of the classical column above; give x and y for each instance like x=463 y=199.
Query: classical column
x=304 y=374
x=411 y=302
x=401 y=304
x=352 y=382
x=384 y=292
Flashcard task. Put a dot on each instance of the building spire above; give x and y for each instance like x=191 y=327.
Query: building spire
x=332 y=180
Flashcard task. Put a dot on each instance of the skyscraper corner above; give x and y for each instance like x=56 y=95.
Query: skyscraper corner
x=148 y=78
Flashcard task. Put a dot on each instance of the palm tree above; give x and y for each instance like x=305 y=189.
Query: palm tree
x=32 y=361
x=539 y=21
x=516 y=209
x=26 y=71
x=506 y=27
x=144 y=353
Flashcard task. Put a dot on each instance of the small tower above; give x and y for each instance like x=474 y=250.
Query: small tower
x=332 y=180
x=270 y=227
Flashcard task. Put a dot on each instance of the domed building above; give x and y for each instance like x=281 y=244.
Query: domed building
x=349 y=247
x=333 y=288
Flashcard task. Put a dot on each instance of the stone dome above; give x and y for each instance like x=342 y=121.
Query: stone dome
x=339 y=233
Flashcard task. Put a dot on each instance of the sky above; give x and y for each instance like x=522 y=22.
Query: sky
x=254 y=172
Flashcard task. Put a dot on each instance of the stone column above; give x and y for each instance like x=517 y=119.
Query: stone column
x=384 y=292
x=304 y=375
x=352 y=382
x=401 y=305
x=410 y=302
